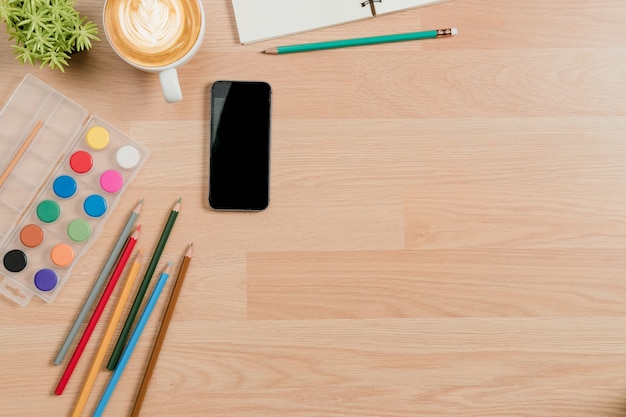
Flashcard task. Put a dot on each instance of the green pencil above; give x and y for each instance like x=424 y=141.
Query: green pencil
x=400 y=37
x=132 y=314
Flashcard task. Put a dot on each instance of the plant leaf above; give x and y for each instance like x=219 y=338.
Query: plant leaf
x=46 y=30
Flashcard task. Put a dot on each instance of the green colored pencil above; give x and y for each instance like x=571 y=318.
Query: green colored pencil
x=132 y=314
x=400 y=37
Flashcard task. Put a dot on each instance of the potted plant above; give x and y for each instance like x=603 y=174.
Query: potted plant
x=46 y=31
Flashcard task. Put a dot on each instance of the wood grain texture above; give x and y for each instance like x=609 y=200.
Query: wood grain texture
x=446 y=233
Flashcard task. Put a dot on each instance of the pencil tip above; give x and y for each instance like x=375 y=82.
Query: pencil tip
x=139 y=206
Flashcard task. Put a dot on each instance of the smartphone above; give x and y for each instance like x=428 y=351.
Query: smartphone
x=239 y=151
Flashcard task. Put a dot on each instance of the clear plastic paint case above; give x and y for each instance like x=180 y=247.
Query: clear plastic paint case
x=64 y=172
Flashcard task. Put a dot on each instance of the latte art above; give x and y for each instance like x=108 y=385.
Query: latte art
x=151 y=24
x=152 y=33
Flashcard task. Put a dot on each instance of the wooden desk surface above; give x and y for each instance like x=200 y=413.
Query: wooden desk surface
x=446 y=236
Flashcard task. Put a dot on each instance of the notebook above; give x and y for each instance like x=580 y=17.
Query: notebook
x=259 y=20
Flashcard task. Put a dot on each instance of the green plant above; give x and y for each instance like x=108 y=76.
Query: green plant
x=48 y=31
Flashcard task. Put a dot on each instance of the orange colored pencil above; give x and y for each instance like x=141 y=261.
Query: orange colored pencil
x=108 y=335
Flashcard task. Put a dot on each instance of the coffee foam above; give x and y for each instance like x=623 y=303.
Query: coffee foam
x=152 y=33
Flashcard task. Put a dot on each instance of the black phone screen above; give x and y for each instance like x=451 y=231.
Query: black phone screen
x=239 y=160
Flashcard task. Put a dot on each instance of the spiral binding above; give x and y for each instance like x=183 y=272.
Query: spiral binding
x=371 y=3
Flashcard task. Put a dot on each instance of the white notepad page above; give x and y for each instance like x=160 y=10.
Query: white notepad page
x=258 y=20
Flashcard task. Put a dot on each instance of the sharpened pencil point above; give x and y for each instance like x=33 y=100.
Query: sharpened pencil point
x=139 y=206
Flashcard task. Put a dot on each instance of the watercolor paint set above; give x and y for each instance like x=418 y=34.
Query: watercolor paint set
x=62 y=172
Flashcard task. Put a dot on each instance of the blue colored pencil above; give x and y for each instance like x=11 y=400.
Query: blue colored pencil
x=133 y=341
x=108 y=266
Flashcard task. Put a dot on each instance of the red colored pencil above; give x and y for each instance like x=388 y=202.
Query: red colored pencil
x=117 y=272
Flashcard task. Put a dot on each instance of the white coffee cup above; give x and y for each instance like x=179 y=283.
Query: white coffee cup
x=156 y=36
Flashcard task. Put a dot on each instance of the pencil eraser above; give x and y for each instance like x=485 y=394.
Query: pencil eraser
x=455 y=31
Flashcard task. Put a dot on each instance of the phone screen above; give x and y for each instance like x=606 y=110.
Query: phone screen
x=239 y=160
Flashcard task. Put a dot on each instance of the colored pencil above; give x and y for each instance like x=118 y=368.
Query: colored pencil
x=141 y=324
x=132 y=314
x=121 y=240
x=97 y=312
x=20 y=152
x=154 y=356
x=108 y=335
x=371 y=40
